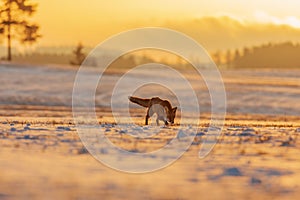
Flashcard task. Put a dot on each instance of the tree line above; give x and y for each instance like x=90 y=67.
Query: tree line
x=269 y=55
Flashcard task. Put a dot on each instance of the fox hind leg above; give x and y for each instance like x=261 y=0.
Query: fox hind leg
x=157 y=121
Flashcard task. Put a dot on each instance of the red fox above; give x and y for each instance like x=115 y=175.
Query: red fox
x=162 y=108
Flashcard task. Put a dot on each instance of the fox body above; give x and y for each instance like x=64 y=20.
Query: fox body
x=162 y=108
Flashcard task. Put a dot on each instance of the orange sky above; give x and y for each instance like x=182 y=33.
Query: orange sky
x=66 y=22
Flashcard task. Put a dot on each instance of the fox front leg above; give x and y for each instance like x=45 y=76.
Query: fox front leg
x=147 y=117
x=166 y=123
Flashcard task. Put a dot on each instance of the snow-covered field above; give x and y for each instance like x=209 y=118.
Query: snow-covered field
x=273 y=92
x=42 y=157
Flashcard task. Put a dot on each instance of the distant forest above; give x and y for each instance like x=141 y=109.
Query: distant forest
x=270 y=55
x=280 y=55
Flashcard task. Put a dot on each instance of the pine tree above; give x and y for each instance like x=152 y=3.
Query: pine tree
x=78 y=54
x=14 y=22
x=228 y=58
x=217 y=58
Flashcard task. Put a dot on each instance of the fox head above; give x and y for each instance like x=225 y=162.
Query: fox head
x=172 y=114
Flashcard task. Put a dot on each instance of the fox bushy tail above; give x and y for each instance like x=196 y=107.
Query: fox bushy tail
x=140 y=101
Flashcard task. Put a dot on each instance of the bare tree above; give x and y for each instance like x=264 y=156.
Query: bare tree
x=78 y=54
x=14 y=22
